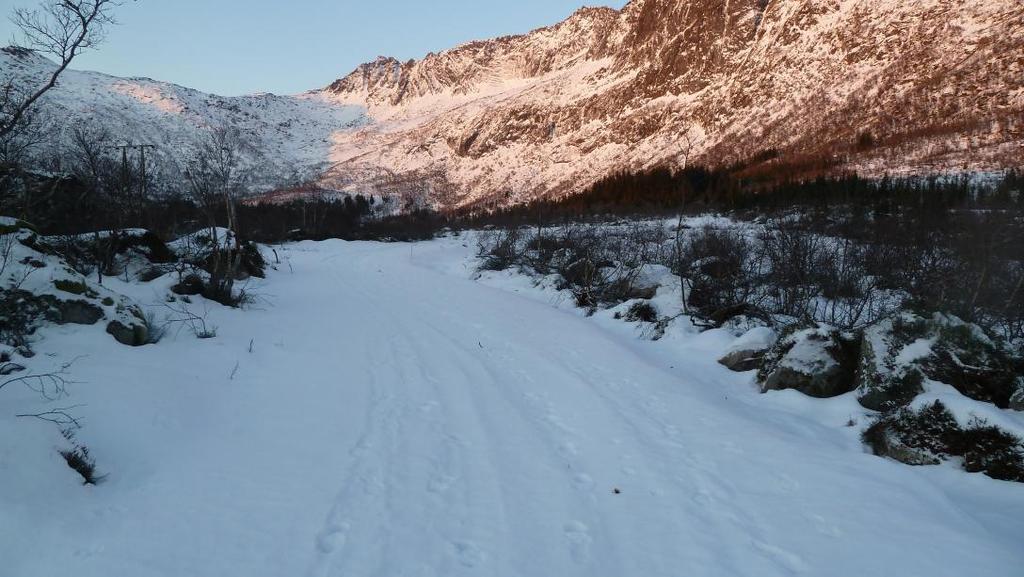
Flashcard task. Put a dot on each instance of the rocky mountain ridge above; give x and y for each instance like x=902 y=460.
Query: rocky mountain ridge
x=776 y=86
x=873 y=86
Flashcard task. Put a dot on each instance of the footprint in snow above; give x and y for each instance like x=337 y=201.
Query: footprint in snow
x=468 y=554
x=583 y=482
x=568 y=450
x=440 y=484
x=823 y=526
x=579 y=538
x=790 y=561
x=332 y=537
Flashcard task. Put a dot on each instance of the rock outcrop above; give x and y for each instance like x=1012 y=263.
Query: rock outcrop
x=817 y=361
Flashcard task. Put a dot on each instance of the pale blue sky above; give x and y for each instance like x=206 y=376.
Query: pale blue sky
x=235 y=47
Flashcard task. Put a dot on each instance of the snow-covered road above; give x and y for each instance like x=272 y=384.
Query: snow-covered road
x=397 y=418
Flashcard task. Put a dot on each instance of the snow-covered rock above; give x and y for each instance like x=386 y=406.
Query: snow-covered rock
x=747 y=352
x=899 y=354
x=38 y=286
x=889 y=375
x=815 y=361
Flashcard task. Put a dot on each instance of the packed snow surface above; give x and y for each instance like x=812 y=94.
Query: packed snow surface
x=396 y=416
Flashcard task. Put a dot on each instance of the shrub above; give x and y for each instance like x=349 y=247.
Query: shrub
x=971 y=363
x=150 y=245
x=190 y=285
x=154 y=331
x=18 y=318
x=75 y=287
x=931 y=435
x=923 y=437
x=723 y=274
x=80 y=460
x=499 y=250
x=226 y=295
x=251 y=261
x=642 y=311
x=990 y=450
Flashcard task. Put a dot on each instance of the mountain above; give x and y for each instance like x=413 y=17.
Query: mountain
x=874 y=86
x=837 y=85
x=284 y=138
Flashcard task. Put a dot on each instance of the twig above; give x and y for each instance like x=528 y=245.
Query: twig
x=59 y=416
x=51 y=386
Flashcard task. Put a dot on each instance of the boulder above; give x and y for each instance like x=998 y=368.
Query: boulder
x=132 y=334
x=899 y=354
x=818 y=361
x=30 y=308
x=888 y=376
x=78 y=312
x=963 y=356
x=747 y=352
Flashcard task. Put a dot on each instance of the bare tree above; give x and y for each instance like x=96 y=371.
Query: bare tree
x=216 y=181
x=59 y=28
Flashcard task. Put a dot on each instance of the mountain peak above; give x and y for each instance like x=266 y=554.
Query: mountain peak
x=867 y=86
x=367 y=77
x=718 y=82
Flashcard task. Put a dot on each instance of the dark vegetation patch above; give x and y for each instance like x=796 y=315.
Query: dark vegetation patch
x=600 y=266
x=75 y=287
x=79 y=459
x=642 y=311
x=931 y=435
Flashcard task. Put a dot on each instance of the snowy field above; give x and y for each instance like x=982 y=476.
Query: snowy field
x=381 y=412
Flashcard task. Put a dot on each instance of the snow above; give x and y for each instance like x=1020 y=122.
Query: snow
x=397 y=416
x=756 y=339
x=203 y=239
x=286 y=137
x=554 y=110
x=809 y=354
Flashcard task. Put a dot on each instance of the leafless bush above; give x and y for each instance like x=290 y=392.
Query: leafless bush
x=794 y=258
x=723 y=274
x=795 y=269
x=499 y=249
x=155 y=331
x=184 y=317
x=598 y=264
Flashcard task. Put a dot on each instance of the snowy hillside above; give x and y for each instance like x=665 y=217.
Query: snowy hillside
x=355 y=423
x=876 y=86
x=288 y=137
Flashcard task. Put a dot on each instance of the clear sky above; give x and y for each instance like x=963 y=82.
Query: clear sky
x=233 y=47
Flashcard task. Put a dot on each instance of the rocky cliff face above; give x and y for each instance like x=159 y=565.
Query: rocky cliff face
x=875 y=86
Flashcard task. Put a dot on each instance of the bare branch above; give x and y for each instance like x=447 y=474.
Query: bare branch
x=62 y=29
x=51 y=386
x=59 y=416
